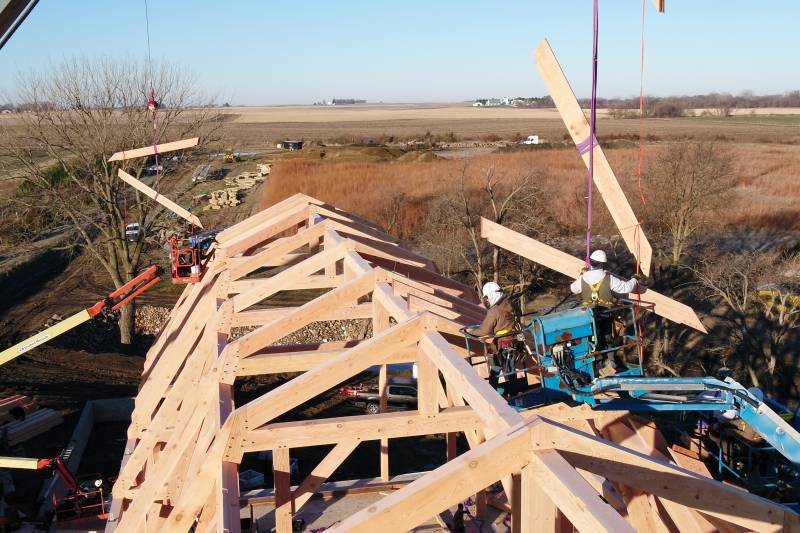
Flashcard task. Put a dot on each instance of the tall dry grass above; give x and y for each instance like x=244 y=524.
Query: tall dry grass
x=766 y=194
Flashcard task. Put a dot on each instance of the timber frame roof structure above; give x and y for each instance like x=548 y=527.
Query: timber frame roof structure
x=560 y=467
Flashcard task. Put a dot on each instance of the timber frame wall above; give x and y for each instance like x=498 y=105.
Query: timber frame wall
x=561 y=468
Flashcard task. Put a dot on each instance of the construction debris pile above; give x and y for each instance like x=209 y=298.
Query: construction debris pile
x=229 y=197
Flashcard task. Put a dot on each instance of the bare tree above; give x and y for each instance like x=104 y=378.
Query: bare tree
x=687 y=184
x=759 y=295
x=79 y=114
x=390 y=211
x=454 y=220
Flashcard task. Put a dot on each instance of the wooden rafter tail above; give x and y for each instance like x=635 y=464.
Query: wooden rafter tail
x=554 y=259
x=604 y=179
x=166 y=202
x=148 y=150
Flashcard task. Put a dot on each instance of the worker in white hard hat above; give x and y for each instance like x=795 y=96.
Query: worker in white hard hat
x=500 y=316
x=597 y=286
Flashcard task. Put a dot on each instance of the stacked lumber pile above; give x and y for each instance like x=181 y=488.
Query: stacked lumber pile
x=17 y=400
x=229 y=197
x=33 y=425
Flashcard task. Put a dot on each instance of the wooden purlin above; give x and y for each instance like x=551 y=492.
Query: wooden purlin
x=148 y=150
x=604 y=179
x=570 y=266
x=187 y=437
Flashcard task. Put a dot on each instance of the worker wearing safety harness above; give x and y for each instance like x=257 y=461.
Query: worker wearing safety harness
x=500 y=317
x=597 y=286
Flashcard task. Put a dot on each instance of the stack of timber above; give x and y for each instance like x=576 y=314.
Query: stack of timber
x=33 y=425
x=18 y=400
x=560 y=467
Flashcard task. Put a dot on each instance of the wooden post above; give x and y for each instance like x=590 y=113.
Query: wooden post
x=380 y=322
x=515 y=501
x=281 y=469
x=538 y=512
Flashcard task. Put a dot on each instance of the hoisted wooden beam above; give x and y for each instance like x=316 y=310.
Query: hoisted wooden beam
x=148 y=150
x=163 y=200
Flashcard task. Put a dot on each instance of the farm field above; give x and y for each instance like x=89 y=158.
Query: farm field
x=259 y=127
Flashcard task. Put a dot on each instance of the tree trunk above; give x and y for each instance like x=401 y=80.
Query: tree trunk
x=127 y=318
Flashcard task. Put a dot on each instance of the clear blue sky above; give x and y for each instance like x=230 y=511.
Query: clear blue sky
x=269 y=52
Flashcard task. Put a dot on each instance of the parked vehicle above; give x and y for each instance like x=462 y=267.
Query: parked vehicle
x=400 y=397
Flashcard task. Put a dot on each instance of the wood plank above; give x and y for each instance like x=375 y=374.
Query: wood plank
x=604 y=178
x=163 y=200
x=574 y=497
x=281 y=468
x=314 y=382
x=539 y=513
x=304 y=315
x=570 y=266
x=323 y=471
x=361 y=427
x=428 y=385
x=284 y=280
x=265 y=215
x=494 y=411
x=394 y=305
x=163 y=148
x=668 y=481
x=449 y=484
x=261 y=233
x=260 y=317
x=277 y=363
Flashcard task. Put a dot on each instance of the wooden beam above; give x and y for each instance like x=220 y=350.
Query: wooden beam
x=304 y=315
x=268 y=229
x=428 y=385
x=323 y=471
x=394 y=305
x=281 y=469
x=494 y=410
x=310 y=282
x=539 y=513
x=447 y=485
x=604 y=179
x=277 y=363
x=163 y=200
x=660 y=5
x=570 y=266
x=259 y=317
x=362 y=428
x=148 y=150
x=314 y=382
x=581 y=504
x=667 y=481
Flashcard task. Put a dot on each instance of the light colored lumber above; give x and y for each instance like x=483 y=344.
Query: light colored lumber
x=330 y=374
x=304 y=315
x=494 y=411
x=668 y=481
x=163 y=200
x=392 y=425
x=446 y=486
x=281 y=468
x=277 y=363
x=263 y=216
x=322 y=472
x=539 y=513
x=570 y=266
x=604 y=179
x=257 y=236
x=260 y=317
x=579 y=502
x=148 y=150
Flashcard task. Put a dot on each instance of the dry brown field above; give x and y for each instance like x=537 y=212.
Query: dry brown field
x=766 y=194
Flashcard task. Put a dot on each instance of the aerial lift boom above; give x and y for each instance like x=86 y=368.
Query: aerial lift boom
x=115 y=301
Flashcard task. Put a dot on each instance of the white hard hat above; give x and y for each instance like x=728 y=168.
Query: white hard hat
x=599 y=256
x=491 y=287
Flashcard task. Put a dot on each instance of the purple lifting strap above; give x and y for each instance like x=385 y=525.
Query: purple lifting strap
x=584 y=147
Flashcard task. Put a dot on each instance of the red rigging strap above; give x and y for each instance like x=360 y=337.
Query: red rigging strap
x=592 y=140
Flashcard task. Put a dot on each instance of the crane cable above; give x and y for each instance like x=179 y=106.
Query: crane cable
x=639 y=165
x=592 y=136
